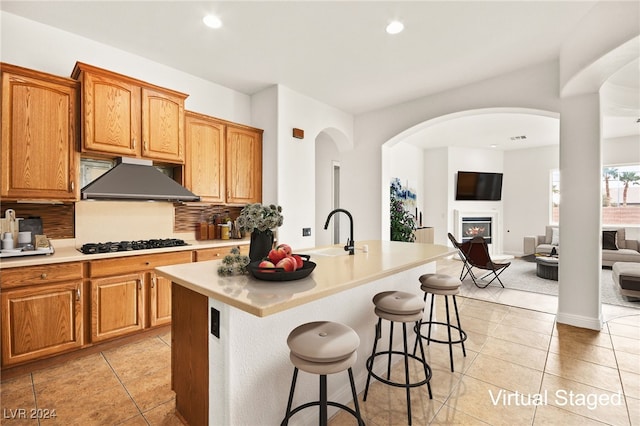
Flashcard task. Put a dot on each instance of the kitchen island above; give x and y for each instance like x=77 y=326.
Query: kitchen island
x=230 y=360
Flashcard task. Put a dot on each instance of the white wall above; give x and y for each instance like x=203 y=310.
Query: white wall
x=619 y=151
x=436 y=193
x=326 y=154
x=405 y=162
x=295 y=160
x=526 y=193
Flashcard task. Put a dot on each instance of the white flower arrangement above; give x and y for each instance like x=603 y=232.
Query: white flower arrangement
x=260 y=217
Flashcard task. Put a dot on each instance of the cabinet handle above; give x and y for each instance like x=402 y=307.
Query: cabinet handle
x=78 y=294
x=153 y=282
x=139 y=285
x=73 y=186
x=43 y=275
x=146 y=147
x=134 y=143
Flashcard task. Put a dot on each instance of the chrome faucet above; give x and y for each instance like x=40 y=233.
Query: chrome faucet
x=350 y=243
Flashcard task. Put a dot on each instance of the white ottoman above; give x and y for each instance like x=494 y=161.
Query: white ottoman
x=627 y=276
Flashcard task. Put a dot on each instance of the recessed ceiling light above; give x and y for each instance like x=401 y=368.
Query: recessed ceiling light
x=212 y=21
x=395 y=27
x=493 y=146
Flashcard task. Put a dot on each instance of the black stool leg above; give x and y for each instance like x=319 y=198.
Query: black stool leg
x=373 y=353
x=323 y=400
x=293 y=387
x=355 y=397
x=390 y=349
x=424 y=363
x=433 y=297
x=455 y=305
x=446 y=302
x=406 y=370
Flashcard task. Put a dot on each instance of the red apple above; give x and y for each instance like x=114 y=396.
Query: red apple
x=288 y=264
x=266 y=265
x=299 y=261
x=276 y=255
x=285 y=247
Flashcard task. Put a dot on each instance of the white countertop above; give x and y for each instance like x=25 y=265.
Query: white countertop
x=66 y=251
x=332 y=274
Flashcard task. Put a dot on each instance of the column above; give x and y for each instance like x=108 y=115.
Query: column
x=580 y=212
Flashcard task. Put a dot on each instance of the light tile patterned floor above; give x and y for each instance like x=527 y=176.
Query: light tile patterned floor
x=510 y=349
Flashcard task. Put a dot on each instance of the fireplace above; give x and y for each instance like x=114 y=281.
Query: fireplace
x=485 y=223
x=476 y=227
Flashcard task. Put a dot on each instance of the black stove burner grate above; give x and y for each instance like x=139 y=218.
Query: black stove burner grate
x=111 y=247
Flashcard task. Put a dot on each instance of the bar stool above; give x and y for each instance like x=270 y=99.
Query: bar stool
x=323 y=347
x=398 y=306
x=445 y=285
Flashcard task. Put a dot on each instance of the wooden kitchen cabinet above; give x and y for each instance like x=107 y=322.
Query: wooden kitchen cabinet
x=116 y=306
x=224 y=160
x=122 y=116
x=159 y=300
x=42 y=312
x=205 y=165
x=39 y=132
x=243 y=152
x=217 y=253
x=127 y=296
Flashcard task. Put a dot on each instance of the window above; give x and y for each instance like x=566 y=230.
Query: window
x=620 y=195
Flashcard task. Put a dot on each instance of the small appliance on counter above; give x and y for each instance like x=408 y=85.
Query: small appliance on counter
x=23 y=237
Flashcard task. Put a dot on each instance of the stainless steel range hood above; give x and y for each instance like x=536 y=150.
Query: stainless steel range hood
x=136 y=179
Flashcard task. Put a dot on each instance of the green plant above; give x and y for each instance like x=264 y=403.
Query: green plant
x=403 y=223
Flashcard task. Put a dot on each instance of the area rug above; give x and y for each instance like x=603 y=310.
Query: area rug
x=521 y=275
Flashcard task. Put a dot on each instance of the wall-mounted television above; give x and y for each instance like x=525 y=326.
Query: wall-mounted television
x=479 y=186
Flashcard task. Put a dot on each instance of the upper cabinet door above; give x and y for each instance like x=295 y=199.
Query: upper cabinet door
x=38 y=135
x=111 y=115
x=243 y=165
x=122 y=116
x=205 y=165
x=162 y=125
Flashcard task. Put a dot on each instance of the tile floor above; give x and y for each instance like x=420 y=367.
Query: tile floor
x=513 y=345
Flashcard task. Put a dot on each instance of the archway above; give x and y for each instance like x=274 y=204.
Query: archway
x=436 y=200
x=329 y=143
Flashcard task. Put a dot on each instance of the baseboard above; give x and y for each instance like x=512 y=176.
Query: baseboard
x=579 y=321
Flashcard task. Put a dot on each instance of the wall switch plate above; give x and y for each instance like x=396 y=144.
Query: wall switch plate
x=215 y=322
x=306 y=232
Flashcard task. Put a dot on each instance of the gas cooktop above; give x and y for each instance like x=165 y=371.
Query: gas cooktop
x=110 y=247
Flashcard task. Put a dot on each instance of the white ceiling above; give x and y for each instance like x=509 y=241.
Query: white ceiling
x=335 y=51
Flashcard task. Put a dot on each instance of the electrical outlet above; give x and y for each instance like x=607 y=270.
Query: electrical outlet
x=215 y=322
x=306 y=232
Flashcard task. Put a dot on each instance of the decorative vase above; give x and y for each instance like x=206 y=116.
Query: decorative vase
x=261 y=244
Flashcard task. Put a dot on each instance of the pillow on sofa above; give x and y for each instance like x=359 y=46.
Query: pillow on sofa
x=555 y=236
x=609 y=240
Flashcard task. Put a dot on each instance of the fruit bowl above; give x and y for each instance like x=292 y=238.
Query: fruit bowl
x=279 y=274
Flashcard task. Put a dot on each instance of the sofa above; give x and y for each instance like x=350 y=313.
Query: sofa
x=615 y=246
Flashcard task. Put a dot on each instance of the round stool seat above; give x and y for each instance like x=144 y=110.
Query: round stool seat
x=323 y=342
x=398 y=303
x=416 y=316
x=323 y=367
x=440 y=284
